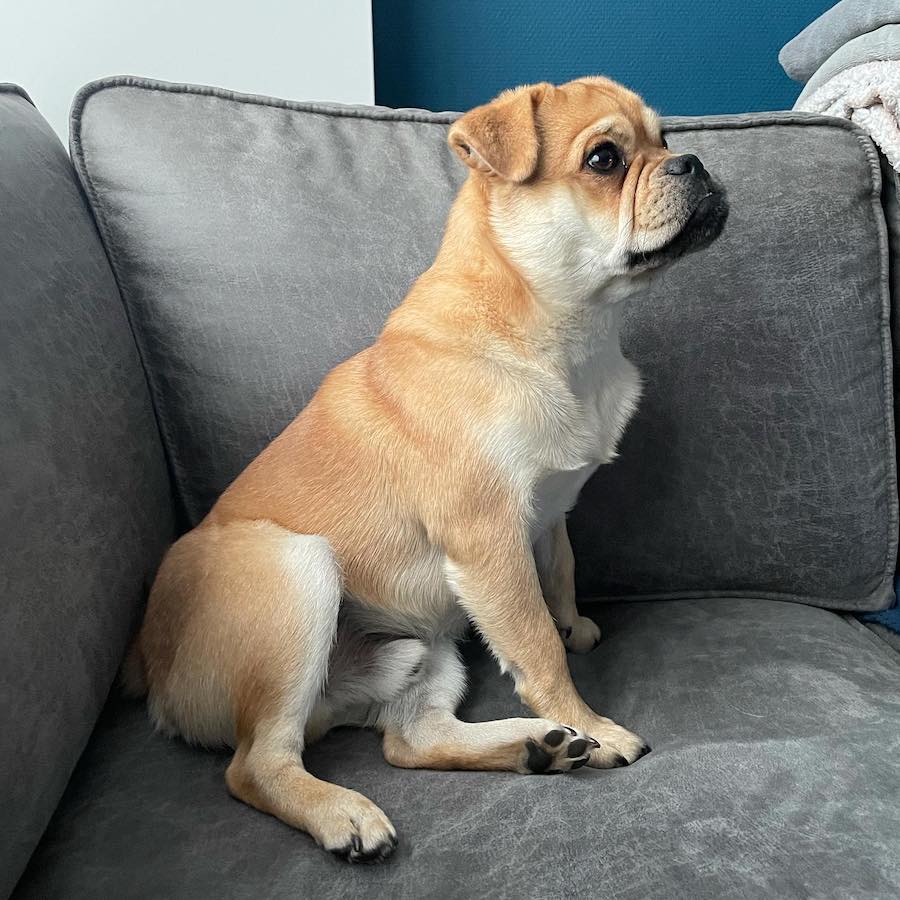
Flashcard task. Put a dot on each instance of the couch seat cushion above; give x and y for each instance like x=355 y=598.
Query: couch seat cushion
x=775 y=773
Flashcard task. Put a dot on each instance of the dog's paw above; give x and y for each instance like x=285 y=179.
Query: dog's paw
x=357 y=830
x=581 y=637
x=618 y=746
x=561 y=749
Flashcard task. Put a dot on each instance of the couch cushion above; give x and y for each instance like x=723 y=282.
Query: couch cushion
x=775 y=772
x=259 y=242
x=85 y=505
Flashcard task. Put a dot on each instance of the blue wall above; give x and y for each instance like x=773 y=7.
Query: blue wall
x=684 y=56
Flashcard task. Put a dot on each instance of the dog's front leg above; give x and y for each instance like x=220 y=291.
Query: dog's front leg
x=556 y=569
x=496 y=581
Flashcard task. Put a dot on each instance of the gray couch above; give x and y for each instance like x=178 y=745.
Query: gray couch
x=172 y=296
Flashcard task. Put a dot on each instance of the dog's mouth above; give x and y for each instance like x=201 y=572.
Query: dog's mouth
x=703 y=226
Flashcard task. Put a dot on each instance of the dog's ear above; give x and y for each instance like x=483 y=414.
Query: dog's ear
x=501 y=138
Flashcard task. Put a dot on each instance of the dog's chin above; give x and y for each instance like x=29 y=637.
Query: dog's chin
x=702 y=227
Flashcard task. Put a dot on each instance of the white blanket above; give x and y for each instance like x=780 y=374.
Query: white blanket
x=869 y=95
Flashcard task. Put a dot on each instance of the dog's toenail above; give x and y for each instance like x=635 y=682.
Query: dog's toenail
x=620 y=760
x=644 y=751
x=577 y=748
x=554 y=738
x=571 y=731
x=538 y=758
x=356 y=843
x=593 y=744
x=579 y=763
x=566 y=633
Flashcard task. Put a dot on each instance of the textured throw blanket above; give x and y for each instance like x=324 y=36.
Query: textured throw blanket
x=881 y=44
x=850 y=60
x=802 y=56
x=869 y=95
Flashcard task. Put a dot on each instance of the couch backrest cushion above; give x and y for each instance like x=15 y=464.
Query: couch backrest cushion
x=258 y=242
x=85 y=502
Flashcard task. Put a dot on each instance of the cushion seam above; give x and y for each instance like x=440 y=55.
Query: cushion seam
x=887 y=369
x=840 y=604
x=160 y=408
x=427 y=117
x=7 y=87
x=884 y=648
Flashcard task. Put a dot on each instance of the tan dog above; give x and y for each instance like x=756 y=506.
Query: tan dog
x=426 y=485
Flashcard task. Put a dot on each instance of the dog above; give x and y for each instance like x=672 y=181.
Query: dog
x=425 y=487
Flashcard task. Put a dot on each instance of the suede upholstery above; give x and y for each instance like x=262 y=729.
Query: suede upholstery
x=85 y=503
x=775 y=773
x=255 y=243
x=258 y=243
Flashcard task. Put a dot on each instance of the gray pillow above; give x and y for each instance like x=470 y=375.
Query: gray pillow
x=846 y=20
x=259 y=242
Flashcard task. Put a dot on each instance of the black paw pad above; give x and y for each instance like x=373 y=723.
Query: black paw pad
x=579 y=763
x=577 y=748
x=351 y=851
x=620 y=761
x=554 y=738
x=342 y=852
x=376 y=855
x=538 y=758
x=354 y=853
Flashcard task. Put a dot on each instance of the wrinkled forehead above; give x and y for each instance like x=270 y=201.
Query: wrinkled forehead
x=583 y=112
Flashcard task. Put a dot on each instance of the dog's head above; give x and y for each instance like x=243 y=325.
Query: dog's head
x=582 y=191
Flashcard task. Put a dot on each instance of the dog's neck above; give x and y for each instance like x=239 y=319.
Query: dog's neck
x=542 y=279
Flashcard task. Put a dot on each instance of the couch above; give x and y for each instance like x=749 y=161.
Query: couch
x=172 y=292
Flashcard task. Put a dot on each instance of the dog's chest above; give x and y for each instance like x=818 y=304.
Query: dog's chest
x=578 y=427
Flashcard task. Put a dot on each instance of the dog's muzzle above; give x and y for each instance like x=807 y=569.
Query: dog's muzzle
x=703 y=225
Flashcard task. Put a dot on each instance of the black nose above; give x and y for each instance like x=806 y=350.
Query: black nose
x=686 y=164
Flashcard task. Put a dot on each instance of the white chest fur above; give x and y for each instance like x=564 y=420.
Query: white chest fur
x=569 y=421
x=606 y=388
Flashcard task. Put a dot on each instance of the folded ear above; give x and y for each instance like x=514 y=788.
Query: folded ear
x=501 y=137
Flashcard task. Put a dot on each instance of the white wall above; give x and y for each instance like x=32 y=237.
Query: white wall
x=295 y=49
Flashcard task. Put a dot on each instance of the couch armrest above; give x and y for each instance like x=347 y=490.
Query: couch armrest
x=85 y=501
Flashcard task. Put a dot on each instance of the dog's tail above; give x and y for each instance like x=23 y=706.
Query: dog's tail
x=132 y=676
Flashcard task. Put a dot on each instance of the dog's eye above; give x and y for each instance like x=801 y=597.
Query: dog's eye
x=604 y=158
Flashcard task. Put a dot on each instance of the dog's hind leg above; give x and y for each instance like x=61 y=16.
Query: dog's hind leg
x=421 y=730
x=236 y=646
